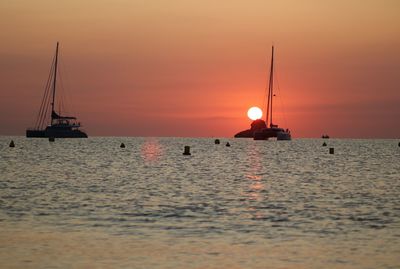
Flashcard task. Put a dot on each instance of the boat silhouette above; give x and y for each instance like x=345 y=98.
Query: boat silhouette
x=263 y=130
x=59 y=126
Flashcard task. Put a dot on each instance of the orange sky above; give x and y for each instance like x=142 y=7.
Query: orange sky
x=193 y=68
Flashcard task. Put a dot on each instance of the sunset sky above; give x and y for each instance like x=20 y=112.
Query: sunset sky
x=193 y=68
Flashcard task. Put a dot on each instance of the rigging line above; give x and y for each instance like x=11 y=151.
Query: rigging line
x=45 y=107
x=47 y=101
x=60 y=100
x=46 y=113
x=47 y=98
x=43 y=103
x=264 y=98
x=266 y=94
x=281 y=99
x=64 y=98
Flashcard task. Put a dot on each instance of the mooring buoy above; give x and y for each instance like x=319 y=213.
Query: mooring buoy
x=324 y=144
x=217 y=142
x=186 y=151
x=227 y=144
x=122 y=145
x=12 y=145
x=51 y=139
x=331 y=150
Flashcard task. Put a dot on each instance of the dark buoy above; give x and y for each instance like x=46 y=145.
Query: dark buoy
x=51 y=139
x=324 y=144
x=331 y=150
x=227 y=144
x=399 y=144
x=217 y=142
x=12 y=145
x=122 y=145
x=187 y=151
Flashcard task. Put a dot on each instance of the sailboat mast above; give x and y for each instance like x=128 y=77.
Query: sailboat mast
x=270 y=91
x=54 y=81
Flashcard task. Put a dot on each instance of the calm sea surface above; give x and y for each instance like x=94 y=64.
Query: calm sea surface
x=87 y=203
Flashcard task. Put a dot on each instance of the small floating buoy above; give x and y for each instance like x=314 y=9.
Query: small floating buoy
x=216 y=141
x=122 y=145
x=331 y=150
x=51 y=139
x=12 y=145
x=324 y=144
x=227 y=144
x=187 y=151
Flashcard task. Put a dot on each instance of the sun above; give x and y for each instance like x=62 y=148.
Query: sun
x=254 y=113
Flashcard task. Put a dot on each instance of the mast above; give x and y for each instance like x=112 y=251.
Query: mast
x=54 y=83
x=270 y=91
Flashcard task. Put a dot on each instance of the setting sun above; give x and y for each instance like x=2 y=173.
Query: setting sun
x=254 y=113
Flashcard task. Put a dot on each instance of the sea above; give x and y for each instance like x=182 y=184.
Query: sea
x=88 y=203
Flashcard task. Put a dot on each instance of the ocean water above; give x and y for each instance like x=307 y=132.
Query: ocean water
x=87 y=203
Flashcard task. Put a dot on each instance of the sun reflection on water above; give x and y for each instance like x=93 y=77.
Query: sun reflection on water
x=254 y=177
x=151 y=150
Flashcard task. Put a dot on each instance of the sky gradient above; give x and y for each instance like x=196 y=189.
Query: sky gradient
x=193 y=68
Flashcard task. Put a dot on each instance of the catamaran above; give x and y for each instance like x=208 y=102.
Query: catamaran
x=272 y=130
x=263 y=130
x=59 y=126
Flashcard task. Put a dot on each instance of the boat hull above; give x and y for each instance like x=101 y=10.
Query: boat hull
x=35 y=133
x=245 y=134
x=267 y=133
x=56 y=133
x=283 y=136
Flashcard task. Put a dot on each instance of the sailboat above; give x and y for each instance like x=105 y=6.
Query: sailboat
x=263 y=130
x=59 y=126
x=271 y=130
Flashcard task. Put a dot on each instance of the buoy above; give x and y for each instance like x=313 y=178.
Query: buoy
x=324 y=144
x=122 y=145
x=331 y=150
x=187 y=151
x=216 y=141
x=227 y=144
x=399 y=144
x=12 y=145
x=51 y=139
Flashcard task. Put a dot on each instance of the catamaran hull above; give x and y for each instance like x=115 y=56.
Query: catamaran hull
x=245 y=134
x=283 y=136
x=35 y=133
x=267 y=133
x=56 y=134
